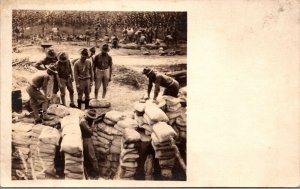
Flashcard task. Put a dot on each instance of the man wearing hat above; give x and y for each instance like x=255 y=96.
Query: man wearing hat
x=83 y=74
x=50 y=59
x=160 y=80
x=37 y=98
x=66 y=78
x=102 y=67
x=87 y=127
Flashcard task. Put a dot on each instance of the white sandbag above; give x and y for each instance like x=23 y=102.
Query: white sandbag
x=22 y=127
x=76 y=111
x=71 y=143
x=50 y=136
x=140 y=107
x=147 y=127
x=128 y=123
x=95 y=103
x=181 y=120
x=38 y=128
x=161 y=102
x=173 y=108
x=147 y=120
x=58 y=110
x=170 y=100
x=173 y=115
x=131 y=135
x=115 y=115
x=71 y=129
x=109 y=122
x=155 y=113
x=163 y=131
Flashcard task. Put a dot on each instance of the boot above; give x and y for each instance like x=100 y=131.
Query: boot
x=63 y=100
x=87 y=104
x=72 y=105
x=79 y=104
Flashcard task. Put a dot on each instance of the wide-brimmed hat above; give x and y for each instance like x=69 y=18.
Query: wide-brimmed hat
x=91 y=113
x=147 y=71
x=62 y=57
x=52 y=68
x=84 y=52
x=51 y=53
x=93 y=49
x=105 y=47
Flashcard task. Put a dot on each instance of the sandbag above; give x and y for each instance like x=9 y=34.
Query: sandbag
x=116 y=142
x=128 y=123
x=163 y=131
x=147 y=120
x=174 y=108
x=38 y=128
x=106 y=136
x=95 y=103
x=58 y=110
x=73 y=158
x=70 y=120
x=171 y=101
x=103 y=140
x=126 y=173
x=181 y=120
x=127 y=151
x=144 y=137
x=102 y=150
x=113 y=157
x=130 y=156
x=21 y=127
x=155 y=113
x=75 y=168
x=140 y=107
x=109 y=122
x=147 y=127
x=45 y=145
x=108 y=130
x=129 y=164
x=115 y=115
x=50 y=136
x=131 y=135
x=120 y=129
x=115 y=149
x=71 y=143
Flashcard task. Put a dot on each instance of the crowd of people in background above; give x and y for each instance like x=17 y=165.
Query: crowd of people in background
x=138 y=27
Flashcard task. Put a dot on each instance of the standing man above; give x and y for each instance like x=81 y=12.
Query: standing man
x=171 y=85
x=87 y=127
x=88 y=36
x=50 y=59
x=37 y=98
x=83 y=74
x=102 y=66
x=66 y=78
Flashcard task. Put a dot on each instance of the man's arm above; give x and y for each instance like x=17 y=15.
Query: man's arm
x=91 y=72
x=76 y=73
x=85 y=128
x=157 y=86
x=149 y=88
x=110 y=67
x=45 y=84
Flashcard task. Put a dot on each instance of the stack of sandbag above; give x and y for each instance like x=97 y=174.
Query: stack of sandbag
x=21 y=134
x=72 y=147
x=45 y=152
x=177 y=115
x=105 y=140
x=59 y=110
x=164 y=152
x=113 y=116
x=95 y=103
x=35 y=161
x=129 y=154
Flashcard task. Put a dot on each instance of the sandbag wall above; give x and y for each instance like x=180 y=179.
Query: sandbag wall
x=21 y=168
x=72 y=147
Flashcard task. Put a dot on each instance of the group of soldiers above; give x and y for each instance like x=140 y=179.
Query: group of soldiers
x=61 y=73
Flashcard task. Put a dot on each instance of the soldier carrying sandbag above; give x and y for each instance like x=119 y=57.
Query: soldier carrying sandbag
x=37 y=98
x=160 y=80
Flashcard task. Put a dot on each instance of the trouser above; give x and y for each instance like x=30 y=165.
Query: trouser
x=172 y=89
x=102 y=76
x=90 y=160
x=66 y=83
x=84 y=88
x=37 y=100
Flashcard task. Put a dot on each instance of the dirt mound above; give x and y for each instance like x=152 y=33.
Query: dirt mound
x=126 y=76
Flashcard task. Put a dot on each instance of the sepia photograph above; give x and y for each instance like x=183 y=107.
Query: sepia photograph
x=94 y=93
x=99 y=95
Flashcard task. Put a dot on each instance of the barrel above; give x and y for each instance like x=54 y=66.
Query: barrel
x=16 y=101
